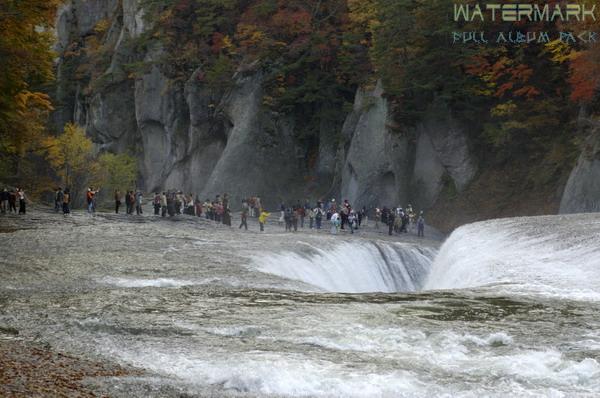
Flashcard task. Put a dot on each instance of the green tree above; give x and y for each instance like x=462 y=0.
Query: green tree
x=116 y=172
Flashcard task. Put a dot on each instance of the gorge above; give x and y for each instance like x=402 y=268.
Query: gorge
x=190 y=135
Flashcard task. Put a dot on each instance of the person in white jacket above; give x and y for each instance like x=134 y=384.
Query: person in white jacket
x=335 y=222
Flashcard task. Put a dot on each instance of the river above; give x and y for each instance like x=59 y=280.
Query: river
x=503 y=308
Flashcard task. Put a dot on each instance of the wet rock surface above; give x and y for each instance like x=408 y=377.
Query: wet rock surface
x=32 y=369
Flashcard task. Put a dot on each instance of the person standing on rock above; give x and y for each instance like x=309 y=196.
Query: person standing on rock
x=22 y=201
x=89 y=199
x=139 y=199
x=405 y=222
x=171 y=204
x=12 y=201
x=117 y=201
x=352 y=221
x=178 y=202
x=218 y=210
x=245 y=211
x=282 y=216
x=227 y=213
x=335 y=222
x=301 y=214
x=344 y=213
x=377 y=217
x=198 y=205
x=311 y=218
x=127 y=203
x=66 y=202
x=58 y=198
x=257 y=206
x=399 y=216
x=391 y=218
x=362 y=215
x=262 y=219
x=163 y=204
x=247 y=207
x=226 y=210
x=287 y=217
x=156 y=203
x=191 y=205
x=295 y=217
x=4 y=196
x=207 y=209
x=412 y=218
x=318 y=216
x=421 y=225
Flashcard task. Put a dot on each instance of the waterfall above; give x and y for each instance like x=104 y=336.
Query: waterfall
x=359 y=267
x=557 y=256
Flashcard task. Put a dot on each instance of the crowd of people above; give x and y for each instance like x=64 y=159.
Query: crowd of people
x=9 y=198
x=171 y=203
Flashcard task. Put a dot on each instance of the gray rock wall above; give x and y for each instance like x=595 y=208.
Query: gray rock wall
x=582 y=192
x=186 y=136
x=259 y=153
x=382 y=168
x=376 y=162
x=442 y=151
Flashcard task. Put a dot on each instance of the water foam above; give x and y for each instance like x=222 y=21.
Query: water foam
x=354 y=267
x=140 y=283
x=423 y=364
x=551 y=256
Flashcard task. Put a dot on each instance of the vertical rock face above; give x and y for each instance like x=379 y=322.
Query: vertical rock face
x=109 y=118
x=376 y=163
x=582 y=192
x=259 y=153
x=442 y=151
x=187 y=136
x=381 y=168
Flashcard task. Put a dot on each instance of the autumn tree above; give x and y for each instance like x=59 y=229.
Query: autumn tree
x=71 y=155
x=26 y=62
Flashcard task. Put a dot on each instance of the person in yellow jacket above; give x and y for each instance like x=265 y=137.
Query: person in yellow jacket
x=262 y=219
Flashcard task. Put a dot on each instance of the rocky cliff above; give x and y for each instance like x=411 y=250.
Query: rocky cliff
x=203 y=140
x=190 y=137
x=582 y=192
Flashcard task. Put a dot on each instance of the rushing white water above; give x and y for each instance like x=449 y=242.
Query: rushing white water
x=538 y=255
x=134 y=282
x=360 y=267
x=553 y=256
